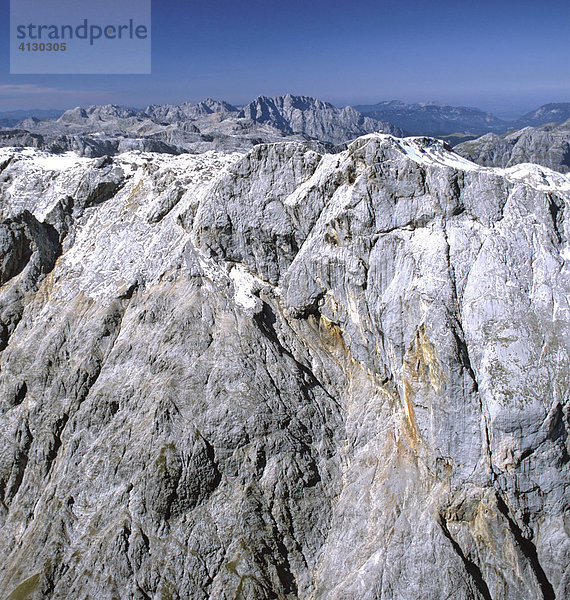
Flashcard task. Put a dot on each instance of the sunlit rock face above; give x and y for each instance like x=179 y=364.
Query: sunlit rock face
x=547 y=145
x=282 y=374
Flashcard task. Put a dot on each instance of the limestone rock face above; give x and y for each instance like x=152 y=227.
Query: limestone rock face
x=283 y=374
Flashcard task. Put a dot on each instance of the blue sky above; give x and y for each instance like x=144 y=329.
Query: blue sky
x=505 y=56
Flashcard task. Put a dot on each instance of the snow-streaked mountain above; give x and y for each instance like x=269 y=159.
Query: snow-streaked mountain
x=283 y=374
x=99 y=113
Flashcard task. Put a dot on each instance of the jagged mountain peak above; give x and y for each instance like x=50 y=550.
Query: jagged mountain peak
x=101 y=112
x=293 y=100
x=313 y=117
x=219 y=106
x=73 y=114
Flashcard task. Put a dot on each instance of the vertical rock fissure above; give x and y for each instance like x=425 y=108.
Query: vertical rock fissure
x=56 y=445
x=8 y=492
x=470 y=566
x=265 y=322
x=457 y=330
x=529 y=550
x=556 y=210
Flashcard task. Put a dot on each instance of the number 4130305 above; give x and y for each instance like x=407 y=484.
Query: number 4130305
x=41 y=47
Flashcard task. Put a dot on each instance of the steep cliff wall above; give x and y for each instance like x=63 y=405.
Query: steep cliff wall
x=282 y=374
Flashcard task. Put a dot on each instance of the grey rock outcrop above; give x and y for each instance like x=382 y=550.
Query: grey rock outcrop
x=315 y=118
x=548 y=145
x=98 y=114
x=178 y=113
x=283 y=374
x=91 y=146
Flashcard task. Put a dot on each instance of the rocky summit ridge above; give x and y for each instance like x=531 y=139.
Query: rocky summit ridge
x=283 y=373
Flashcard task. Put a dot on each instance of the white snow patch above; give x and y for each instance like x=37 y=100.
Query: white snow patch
x=415 y=153
x=538 y=177
x=52 y=162
x=427 y=151
x=211 y=269
x=244 y=284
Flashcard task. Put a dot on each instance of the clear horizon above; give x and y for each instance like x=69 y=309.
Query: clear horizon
x=503 y=57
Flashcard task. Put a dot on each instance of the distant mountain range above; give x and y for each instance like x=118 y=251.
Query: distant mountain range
x=210 y=124
x=13 y=117
x=219 y=125
x=431 y=118
x=434 y=119
x=549 y=113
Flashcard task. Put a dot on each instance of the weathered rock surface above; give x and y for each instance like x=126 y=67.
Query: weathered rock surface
x=548 y=145
x=90 y=146
x=315 y=118
x=283 y=374
x=177 y=113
